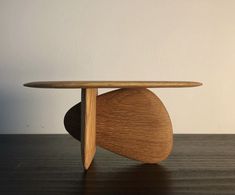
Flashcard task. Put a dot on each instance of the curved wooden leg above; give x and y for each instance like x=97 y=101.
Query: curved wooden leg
x=88 y=126
x=130 y=122
x=134 y=123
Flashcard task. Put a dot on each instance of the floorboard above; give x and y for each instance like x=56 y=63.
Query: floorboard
x=51 y=164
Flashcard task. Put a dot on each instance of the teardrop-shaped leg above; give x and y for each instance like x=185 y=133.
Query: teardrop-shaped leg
x=134 y=123
x=130 y=122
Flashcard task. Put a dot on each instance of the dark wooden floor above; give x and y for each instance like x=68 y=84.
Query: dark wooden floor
x=51 y=164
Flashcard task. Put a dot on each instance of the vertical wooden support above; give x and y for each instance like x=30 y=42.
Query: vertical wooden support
x=88 y=125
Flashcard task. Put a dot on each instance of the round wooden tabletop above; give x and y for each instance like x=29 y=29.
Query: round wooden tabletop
x=111 y=84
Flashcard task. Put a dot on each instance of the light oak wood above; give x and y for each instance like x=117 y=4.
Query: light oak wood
x=88 y=126
x=131 y=122
x=111 y=84
x=134 y=123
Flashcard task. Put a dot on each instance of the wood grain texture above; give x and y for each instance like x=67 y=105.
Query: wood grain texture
x=131 y=122
x=134 y=123
x=50 y=164
x=88 y=126
x=112 y=84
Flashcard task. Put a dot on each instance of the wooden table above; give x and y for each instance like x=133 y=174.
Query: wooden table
x=49 y=164
x=131 y=121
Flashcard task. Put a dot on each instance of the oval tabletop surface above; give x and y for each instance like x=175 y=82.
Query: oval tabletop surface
x=111 y=84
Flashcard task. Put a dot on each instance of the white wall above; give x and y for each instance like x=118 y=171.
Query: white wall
x=117 y=40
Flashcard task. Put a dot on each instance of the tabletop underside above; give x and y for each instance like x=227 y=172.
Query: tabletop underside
x=112 y=84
